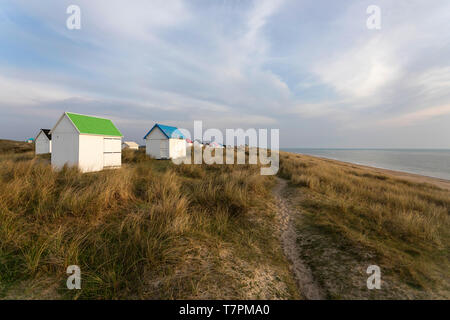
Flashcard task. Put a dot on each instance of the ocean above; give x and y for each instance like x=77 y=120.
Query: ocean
x=426 y=162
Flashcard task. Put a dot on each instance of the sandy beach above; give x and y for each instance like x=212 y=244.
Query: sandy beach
x=441 y=183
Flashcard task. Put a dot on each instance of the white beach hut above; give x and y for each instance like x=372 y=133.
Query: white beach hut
x=197 y=143
x=90 y=143
x=165 y=142
x=43 y=142
x=130 y=145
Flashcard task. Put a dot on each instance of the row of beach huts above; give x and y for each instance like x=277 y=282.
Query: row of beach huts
x=93 y=143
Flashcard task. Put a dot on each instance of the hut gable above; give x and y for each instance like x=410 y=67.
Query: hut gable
x=43 y=142
x=46 y=133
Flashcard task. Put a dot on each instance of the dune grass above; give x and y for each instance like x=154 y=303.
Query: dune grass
x=149 y=230
x=11 y=146
x=155 y=230
x=403 y=225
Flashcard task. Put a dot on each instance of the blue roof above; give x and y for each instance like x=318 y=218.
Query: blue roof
x=169 y=132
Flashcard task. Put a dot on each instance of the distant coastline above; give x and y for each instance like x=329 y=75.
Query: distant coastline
x=427 y=163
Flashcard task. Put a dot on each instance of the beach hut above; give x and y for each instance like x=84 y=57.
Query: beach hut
x=90 y=143
x=165 y=142
x=215 y=145
x=197 y=143
x=43 y=142
x=130 y=145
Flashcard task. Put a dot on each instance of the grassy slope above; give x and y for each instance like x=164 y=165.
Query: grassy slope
x=355 y=217
x=148 y=230
x=11 y=146
x=156 y=230
x=17 y=148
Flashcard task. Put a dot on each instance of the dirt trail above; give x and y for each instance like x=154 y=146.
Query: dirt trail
x=305 y=281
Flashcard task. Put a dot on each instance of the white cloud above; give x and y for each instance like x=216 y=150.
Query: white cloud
x=253 y=41
x=18 y=92
x=362 y=70
x=435 y=81
x=416 y=116
x=136 y=19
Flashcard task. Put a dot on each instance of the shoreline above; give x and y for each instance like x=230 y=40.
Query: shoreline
x=413 y=177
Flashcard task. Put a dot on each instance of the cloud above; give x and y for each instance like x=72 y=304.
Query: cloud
x=435 y=81
x=417 y=116
x=311 y=69
x=362 y=70
x=257 y=18
x=18 y=92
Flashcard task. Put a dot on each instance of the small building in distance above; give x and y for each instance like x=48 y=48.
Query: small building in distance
x=165 y=142
x=130 y=145
x=197 y=143
x=90 y=143
x=215 y=145
x=43 y=142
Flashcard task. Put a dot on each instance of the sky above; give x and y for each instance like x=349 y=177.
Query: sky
x=310 y=68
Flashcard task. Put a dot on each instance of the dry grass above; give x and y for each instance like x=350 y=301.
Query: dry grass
x=400 y=225
x=10 y=146
x=148 y=230
x=155 y=230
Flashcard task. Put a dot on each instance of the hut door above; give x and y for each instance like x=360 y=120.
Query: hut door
x=112 y=152
x=164 y=149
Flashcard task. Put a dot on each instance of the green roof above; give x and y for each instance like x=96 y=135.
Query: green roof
x=93 y=125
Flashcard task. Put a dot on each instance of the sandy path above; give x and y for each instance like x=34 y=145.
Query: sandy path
x=305 y=282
